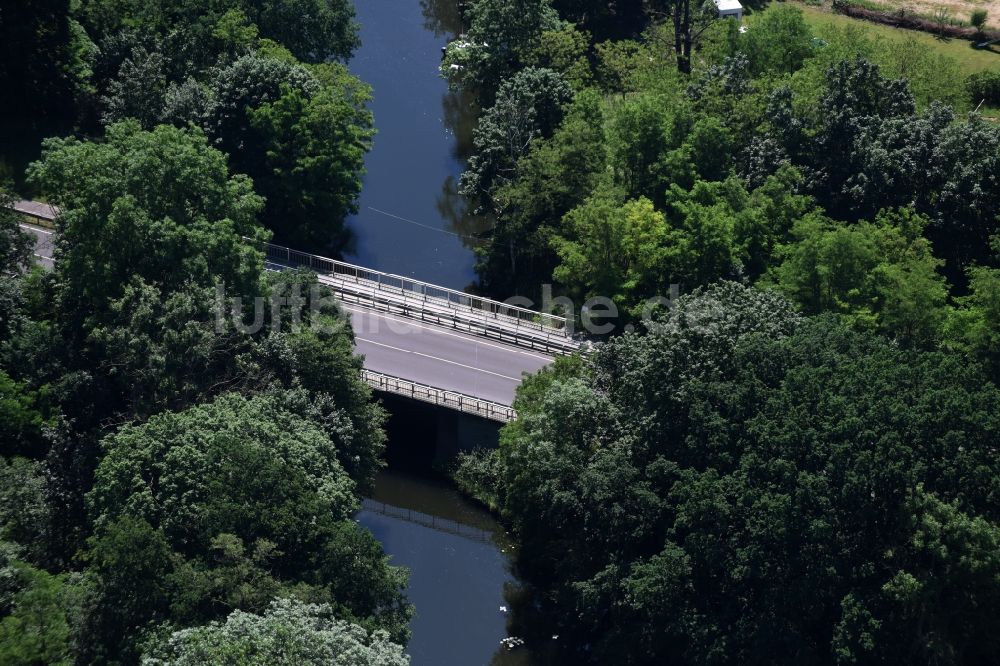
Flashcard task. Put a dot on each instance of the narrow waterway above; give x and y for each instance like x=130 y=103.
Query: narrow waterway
x=411 y=220
x=459 y=570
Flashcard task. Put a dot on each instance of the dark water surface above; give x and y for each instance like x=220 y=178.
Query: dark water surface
x=459 y=570
x=411 y=221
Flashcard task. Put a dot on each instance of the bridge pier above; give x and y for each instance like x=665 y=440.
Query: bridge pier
x=425 y=437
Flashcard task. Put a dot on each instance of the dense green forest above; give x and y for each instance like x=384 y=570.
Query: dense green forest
x=160 y=470
x=842 y=171
x=176 y=489
x=794 y=463
x=262 y=80
x=798 y=463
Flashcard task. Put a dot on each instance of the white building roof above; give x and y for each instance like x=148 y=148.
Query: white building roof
x=728 y=5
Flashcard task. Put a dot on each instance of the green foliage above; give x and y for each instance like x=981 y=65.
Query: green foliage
x=984 y=87
x=315 y=145
x=950 y=567
x=248 y=83
x=272 y=431
x=616 y=249
x=159 y=205
x=742 y=485
x=881 y=275
x=477 y=474
x=301 y=134
x=629 y=66
x=639 y=131
x=225 y=505
x=629 y=251
x=856 y=95
x=21 y=418
x=977 y=19
x=314 y=30
x=554 y=177
x=289 y=633
x=844 y=139
x=235 y=30
x=500 y=40
x=565 y=52
x=25 y=515
x=224 y=68
x=778 y=42
x=129 y=565
x=528 y=107
x=15 y=244
x=962 y=199
x=932 y=77
x=245 y=467
x=975 y=326
x=38 y=628
x=139 y=90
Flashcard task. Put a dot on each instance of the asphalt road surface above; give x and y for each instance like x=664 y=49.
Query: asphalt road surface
x=43 y=244
x=441 y=357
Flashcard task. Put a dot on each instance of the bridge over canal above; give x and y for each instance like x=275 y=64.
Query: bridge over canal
x=419 y=340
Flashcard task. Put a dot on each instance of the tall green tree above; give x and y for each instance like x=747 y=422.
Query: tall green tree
x=314 y=30
x=881 y=275
x=617 y=252
x=688 y=20
x=499 y=39
x=783 y=25
x=315 y=148
x=158 y=206
x=554 y=177
x=528 y=107
x=38 y=627
x=192 y=489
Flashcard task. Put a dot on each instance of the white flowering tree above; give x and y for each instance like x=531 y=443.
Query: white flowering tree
x=289 y=633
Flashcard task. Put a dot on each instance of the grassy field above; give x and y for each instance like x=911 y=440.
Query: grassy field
x=970 y=59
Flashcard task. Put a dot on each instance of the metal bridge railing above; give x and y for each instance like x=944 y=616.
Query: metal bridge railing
x=459 y=401
x=411 y=298
x=541 y=330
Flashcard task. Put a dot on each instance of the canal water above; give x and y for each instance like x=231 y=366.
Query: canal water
x=462 y=583
x=460 y=579
x=411 y=221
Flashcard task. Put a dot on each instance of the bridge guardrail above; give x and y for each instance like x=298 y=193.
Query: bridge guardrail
x=458 y=401
x=374 y=300
x=413 y=298
x=424 y=290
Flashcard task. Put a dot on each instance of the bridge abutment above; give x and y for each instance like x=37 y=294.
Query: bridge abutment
x=426 y=437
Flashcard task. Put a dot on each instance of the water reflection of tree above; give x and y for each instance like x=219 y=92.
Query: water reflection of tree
x=443 y=17
x=460 y=114
x=454 y=210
